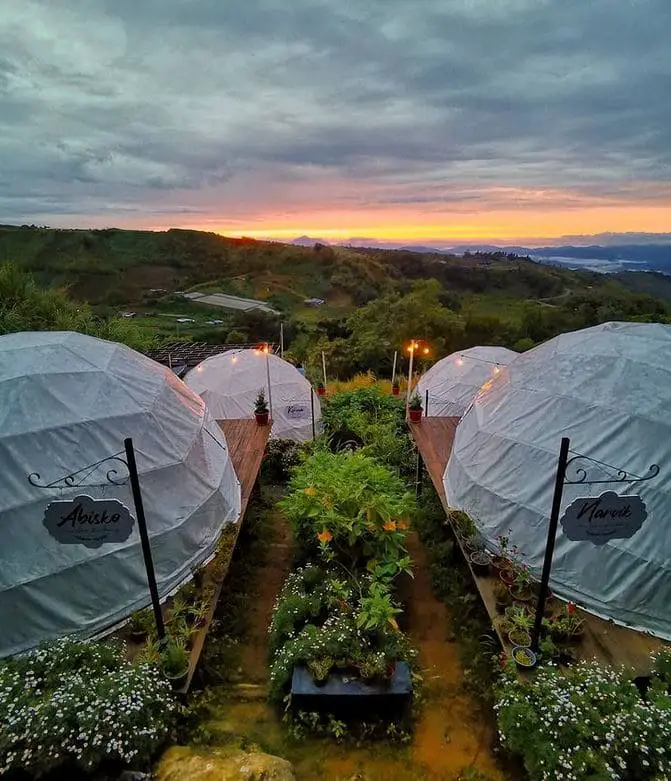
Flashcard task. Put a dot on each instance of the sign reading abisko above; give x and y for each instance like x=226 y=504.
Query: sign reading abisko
x=84 y=520
x=599 y=519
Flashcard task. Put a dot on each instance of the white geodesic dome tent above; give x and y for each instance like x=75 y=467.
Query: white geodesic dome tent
x=229 y=383
x=68 y=401
x=454 y=381
x=608 y=389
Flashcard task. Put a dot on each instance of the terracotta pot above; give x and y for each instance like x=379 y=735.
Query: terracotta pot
x=415 y=415
x=262 y=418
x=395 y=390
x=321 y=391
x=507 y=576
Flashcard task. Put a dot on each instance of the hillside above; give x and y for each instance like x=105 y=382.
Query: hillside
x=375 y=298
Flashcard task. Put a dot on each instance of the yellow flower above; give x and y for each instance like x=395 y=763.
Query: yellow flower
x=324 y=536
x=389 y=526
x=310 y=491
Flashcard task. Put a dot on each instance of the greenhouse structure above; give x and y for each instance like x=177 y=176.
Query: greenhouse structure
x=230 y=382
x=67 y=403
x=453 y=382
x=608 y=389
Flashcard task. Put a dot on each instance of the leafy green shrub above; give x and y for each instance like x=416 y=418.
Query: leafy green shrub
x=281 y=456
x=82 y=703
x=587 y=722
x=661 y=664
x=377 y=420
x=351 y=505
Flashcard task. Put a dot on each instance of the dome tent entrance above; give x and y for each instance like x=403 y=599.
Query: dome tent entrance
x=68 y=401
x=608 y=389
x=454 y=381
x=229 y=383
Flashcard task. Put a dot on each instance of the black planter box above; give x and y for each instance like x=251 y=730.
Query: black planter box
x=342 y=694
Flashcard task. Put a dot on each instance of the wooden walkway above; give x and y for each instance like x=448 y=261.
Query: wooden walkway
x=246 y=446
x=603 y=640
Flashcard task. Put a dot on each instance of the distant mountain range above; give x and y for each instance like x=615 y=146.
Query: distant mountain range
x=608 y=257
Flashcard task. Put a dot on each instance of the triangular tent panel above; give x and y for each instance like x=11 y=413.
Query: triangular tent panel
x=454 y=381
x=229 y=383
x=68 y=401
x=608 y=389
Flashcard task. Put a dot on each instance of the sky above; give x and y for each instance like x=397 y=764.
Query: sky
x=432 y=121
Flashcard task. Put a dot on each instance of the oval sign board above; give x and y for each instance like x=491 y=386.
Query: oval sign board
x=599 y=519
x=88 y=521
x=297 y=411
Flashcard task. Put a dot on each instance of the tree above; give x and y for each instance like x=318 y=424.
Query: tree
x=386 y=323
x=24 y=306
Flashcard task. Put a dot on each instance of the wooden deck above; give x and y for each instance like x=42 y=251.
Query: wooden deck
x=246 y=445
x=603 y=640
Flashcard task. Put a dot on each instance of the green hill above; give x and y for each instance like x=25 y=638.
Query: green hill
x=374 y=298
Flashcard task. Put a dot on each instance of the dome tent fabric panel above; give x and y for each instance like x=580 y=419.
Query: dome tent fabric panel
x=229 y=383
x=69 y=401
x=608 y=389
x=454 y=381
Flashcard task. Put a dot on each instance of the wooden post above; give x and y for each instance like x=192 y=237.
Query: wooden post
x=550 y=545
x=312 y=412
x=407 y=395
x=324 y=368
x=144 y=538
x=418 y=475
x=393 y=371
x=270 y=393
x=281 y=340
x=426 y=404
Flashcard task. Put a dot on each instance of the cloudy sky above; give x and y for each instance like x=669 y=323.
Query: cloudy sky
x=417 y=120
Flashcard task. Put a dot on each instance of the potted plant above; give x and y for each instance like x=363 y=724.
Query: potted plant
x=141 y=624
x=321 y=390
x=521 y=589
x=517 y=623
x=261 y=409
x=502 y=596
x=395 y=388
x=480 y=561
x=320 y=669
x=524 y=657
x=415 y=409
x=175 y=663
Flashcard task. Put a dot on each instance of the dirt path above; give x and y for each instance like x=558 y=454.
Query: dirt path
x=452 y=733
x=450 y=736
x=254 y=657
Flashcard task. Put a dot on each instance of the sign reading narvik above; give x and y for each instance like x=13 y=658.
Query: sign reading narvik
x=88 y=521
x=599 y=519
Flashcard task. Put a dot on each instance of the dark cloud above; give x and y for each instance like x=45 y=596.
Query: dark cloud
x=169 y=105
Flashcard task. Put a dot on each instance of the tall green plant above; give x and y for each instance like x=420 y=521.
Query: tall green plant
x=349 y=506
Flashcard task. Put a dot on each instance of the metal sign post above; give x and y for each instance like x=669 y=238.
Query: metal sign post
x=312 y=411
x=608 y=517
x=550 y=545
x=144 y=538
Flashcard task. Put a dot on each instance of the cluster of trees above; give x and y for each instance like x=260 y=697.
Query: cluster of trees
x=24 y=306
x=367 y=339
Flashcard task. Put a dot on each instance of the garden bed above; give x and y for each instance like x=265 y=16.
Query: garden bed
x=346 y=695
